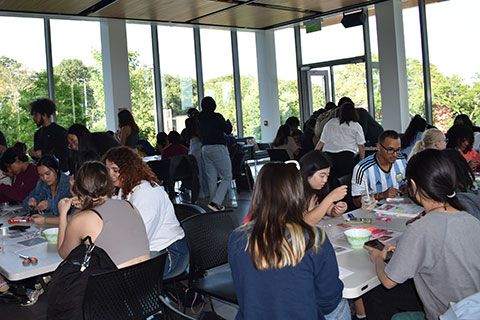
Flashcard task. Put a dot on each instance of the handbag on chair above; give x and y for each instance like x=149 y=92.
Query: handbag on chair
x=69 y=281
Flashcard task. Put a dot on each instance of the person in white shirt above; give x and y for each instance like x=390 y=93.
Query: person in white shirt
x=342 y=139
x=134 y=181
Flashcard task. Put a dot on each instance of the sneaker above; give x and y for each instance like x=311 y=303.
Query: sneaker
x=32 y=296
x=215 y=207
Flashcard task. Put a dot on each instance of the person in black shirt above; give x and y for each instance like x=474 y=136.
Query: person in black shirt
x=50 y=138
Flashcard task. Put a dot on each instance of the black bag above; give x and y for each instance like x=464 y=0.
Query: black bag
x=69 y=281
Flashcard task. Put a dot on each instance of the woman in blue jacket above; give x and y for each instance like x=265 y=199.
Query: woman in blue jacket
x=51 y=187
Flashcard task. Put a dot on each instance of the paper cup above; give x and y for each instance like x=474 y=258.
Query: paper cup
x=51 y=234
x=356 y=237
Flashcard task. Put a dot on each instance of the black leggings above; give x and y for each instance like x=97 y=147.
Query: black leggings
x=342 y=162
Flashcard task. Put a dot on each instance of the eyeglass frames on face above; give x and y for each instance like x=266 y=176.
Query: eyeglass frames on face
x=391 y=150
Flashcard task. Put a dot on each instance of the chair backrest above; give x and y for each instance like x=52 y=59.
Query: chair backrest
x=161 y=168
x=264 y=146
x=185 y=168
x=128 y=293
x=278 y=154
x=184 y=211
x=207 y=237
x=238 y=162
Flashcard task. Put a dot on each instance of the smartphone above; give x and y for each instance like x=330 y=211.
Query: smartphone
x=18 y=228
x=379 y=246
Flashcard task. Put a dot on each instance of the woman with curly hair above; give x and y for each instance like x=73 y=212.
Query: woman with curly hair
x=133 y=180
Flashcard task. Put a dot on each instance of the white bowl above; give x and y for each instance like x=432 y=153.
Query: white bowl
x=51 y=234
x=357 y=237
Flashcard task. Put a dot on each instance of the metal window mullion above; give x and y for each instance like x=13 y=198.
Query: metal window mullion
x=368 y=65
x=157 y=78
x=48 y=55
x=198 y=64
x=237 y=82
x=427 y=84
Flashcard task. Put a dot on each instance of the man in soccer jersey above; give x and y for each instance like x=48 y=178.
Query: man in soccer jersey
x=383 y=172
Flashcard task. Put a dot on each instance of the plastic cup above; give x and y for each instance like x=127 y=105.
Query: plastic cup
x=51 y=234
x=357 y=237
x=368 y=202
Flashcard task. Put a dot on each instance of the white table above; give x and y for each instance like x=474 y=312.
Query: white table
x=11 y=266
x=364 y=277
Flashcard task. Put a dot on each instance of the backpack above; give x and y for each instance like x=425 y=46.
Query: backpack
x=69 y=281
x=322 y=119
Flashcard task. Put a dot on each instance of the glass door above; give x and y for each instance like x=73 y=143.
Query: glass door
x=318 y=84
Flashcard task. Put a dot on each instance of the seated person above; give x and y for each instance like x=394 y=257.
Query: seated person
x=315 y=169
x=431 y=139
x=105 y=220
x=383 y=172
x=284 y=140
x=460 y=137
x=162 y=142
x=133 y=180
x=296 y=133
x=15 y=163
x=51 y=188
x=283 y=267
x=175 y=146
x=439 y=251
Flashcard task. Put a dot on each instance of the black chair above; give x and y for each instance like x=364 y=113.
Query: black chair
x=184 y=168
x=128 y=293
x=184 y=211
x=207 y=236
x=161 y=168
x=239 y=170
x=278 y=155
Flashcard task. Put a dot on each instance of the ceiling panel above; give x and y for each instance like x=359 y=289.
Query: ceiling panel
x=171 y=10
x=322 y=6
x=47 y=6
x=251 y=17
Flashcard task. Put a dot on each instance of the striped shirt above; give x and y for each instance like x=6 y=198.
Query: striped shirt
x=368 y=171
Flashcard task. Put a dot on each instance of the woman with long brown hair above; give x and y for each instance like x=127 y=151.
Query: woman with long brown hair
x=283 y=267
x=134 y=181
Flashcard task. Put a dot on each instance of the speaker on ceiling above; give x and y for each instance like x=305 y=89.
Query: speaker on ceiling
x=354 y=19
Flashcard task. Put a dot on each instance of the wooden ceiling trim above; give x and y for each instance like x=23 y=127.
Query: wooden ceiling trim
x=47 y=6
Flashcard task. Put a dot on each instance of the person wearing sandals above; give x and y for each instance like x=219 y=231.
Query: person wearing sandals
x=133 y=180
x=282 y=266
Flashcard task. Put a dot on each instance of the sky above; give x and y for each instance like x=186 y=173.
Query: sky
x=452 y=28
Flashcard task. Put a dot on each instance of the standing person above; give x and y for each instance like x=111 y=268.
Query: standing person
x=133 y=180
x=191 y=124
x=50 y=138
x=212 y=126
x=413 y=133
x=383 y=172
x=342 y=139
x=51 y=188
x=282 y=266
x=127 y=134
x=431 y=139
x=283 y=140
x=439 y=252
x=15 y=164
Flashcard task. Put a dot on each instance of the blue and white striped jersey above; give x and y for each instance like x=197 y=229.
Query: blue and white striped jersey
x=368 y=171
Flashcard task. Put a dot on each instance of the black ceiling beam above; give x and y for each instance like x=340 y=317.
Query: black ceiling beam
x=96 y=7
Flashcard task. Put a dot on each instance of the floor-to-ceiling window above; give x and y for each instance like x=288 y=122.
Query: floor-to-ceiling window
x=249 y=84
x=218 y=71
x=77 y=65
x=22 y=75
x=179 y=84
x=140 y=63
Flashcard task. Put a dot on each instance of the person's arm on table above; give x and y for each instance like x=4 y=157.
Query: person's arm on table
x=361 y=151
x=313 y=216
x=389 y=193
x=378 y=258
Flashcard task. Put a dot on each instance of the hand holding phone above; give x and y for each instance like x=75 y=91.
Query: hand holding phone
x=376 y=244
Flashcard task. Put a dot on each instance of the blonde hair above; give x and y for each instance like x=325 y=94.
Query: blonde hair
x=429 y=138
x=277 y=234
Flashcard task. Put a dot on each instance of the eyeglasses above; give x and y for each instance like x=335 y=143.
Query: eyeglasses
x=391 y=150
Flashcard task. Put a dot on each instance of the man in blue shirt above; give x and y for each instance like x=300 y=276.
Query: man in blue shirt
x=383 y=171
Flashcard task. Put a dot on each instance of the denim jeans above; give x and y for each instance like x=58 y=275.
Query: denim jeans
x=196 y=151
x=341 y=312
x=217 y=164
x=178 y=257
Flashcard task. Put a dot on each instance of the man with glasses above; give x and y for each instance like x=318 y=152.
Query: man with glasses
x=50 y=138
x=382 y=172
